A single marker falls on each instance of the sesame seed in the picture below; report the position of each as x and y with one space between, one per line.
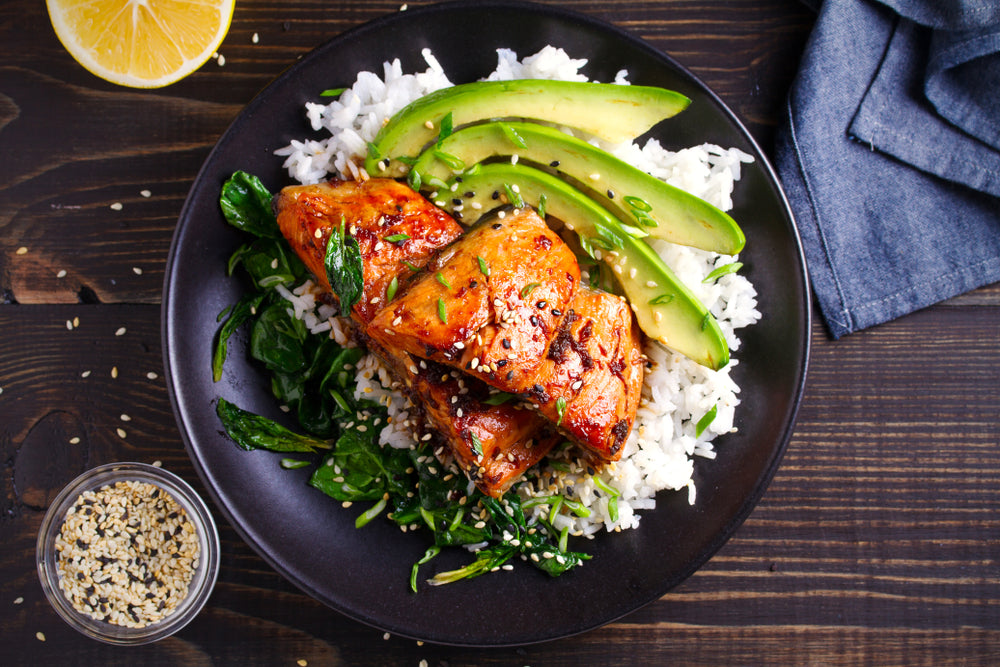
40 636
117 206
21 251
318 233
114 371
125 418
85 374
75 440
120 331
301 663
255 38
429 125
151 375
146 193
112 567
61 274
18 600
222 60
121 433
136 270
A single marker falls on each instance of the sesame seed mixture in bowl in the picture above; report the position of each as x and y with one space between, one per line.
128 553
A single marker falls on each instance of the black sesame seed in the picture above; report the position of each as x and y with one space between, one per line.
473 284
456 201
535 321
506 343
496 225
510 375
495 195
469 194
554 163
501 363
541 305
611 194
556 312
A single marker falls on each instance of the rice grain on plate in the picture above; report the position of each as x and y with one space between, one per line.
678 394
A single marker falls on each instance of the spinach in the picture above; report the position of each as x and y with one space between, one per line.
313 377
246 204
251 431
343 268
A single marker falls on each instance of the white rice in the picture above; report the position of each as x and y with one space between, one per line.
660 452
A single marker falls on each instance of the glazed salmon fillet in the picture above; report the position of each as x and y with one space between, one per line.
493 444
491 301
504 303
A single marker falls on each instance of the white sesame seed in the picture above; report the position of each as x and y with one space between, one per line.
21 251
40 636
146 193
61 274
85 374
114 371
120 331
117 206
75 440
429 125
125 418
151 375
255 38
121 433
18 600
222 60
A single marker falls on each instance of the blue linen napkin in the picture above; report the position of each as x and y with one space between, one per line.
890 155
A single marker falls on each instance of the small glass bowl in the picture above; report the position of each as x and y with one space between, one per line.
203 579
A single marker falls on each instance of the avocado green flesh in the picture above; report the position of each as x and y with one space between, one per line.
611 112
679 217
664 308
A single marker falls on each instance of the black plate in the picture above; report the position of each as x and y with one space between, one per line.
307 536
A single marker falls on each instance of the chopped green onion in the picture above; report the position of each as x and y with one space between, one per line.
413 179
723 270
334 92
705 320
456 163
441 279
428 555
397 238
564 538
528 289
428 517
557 502
411 266
292 464
638 203
477 445
339 400
560 409
499 398
542 199
661 300
370 514
513 196
442 314
447 127
705 420
373 151
513 136
484 268
391 290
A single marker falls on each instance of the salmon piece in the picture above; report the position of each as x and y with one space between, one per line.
528 328
490 301
371 211
493 444
590 382
510 440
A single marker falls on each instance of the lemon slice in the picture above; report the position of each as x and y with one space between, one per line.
141 43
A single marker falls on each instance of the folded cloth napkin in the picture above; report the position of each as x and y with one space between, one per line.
890 155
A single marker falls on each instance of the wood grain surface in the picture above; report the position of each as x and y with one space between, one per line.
878 541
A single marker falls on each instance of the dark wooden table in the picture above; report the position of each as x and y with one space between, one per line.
878 542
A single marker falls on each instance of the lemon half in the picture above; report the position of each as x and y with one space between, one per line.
141 43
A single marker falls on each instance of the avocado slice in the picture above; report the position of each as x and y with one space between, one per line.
665 309
664 211
609 111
